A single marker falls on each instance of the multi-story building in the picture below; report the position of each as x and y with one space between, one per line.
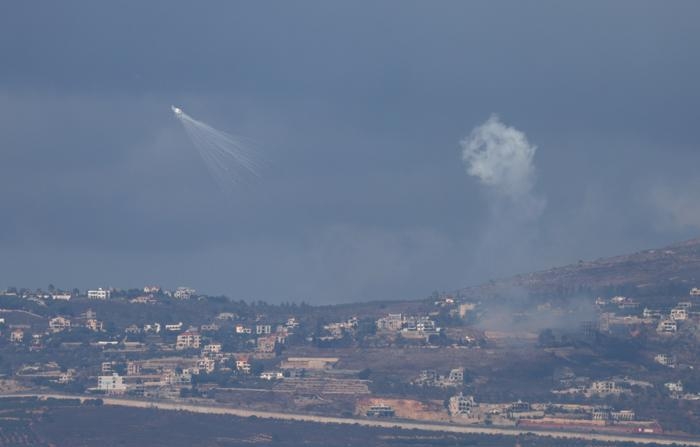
261 329
603 387
17 336
392 322
184 293
94 325
666 360
462 405
99 294
112 384
243 365
667 327
212 348
206 364
456 376
58 324
107 368
267 343
188 340
133 368
679 314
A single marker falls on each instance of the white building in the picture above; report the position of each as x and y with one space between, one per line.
242 364
462 405
261 329
679 314
213 348
392 322
174 327
674 387
188 340
17 336
99 294
184 293
58 324
94 325
65 296
240 329
666 360
667 327
271 375
603 387
206 364
113 384
456 376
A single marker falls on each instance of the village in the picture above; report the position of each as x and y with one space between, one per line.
432 360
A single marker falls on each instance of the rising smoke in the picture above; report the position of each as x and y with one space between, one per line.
502 159
227 158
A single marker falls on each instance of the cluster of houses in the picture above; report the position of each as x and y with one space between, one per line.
57 324
181 293
430 377
409 326
576 416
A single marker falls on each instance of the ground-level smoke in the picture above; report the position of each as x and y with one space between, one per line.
227 158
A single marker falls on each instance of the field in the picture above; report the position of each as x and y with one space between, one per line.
69 424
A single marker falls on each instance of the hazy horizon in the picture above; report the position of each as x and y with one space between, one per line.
408 147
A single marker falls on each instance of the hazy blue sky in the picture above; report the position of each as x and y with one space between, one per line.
359 109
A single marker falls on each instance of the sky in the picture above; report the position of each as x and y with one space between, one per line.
407 147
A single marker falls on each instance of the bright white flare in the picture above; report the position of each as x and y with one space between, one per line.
227 158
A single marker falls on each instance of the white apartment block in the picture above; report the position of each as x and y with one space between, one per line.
113 384
188 340
99 294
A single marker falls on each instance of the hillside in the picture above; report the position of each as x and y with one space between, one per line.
670 269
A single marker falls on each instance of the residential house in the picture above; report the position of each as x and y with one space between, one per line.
243 365
267 343
184 293
58 324
99 294
111 384
175 327
667 327
271 375
94 325
263 329
188 340
462 405
391 322
17 336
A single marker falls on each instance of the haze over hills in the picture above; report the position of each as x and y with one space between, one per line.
676 266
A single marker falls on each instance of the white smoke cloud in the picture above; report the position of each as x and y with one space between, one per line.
503 160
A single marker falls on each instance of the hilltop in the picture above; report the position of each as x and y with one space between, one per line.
671 269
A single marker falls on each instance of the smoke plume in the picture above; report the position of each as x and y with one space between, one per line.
501 158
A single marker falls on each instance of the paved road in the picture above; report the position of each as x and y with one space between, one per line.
427 426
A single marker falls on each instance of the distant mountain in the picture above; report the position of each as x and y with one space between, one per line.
671 269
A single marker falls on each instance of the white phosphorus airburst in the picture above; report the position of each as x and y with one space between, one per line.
227 158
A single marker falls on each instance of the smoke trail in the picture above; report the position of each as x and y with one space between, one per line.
227 158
